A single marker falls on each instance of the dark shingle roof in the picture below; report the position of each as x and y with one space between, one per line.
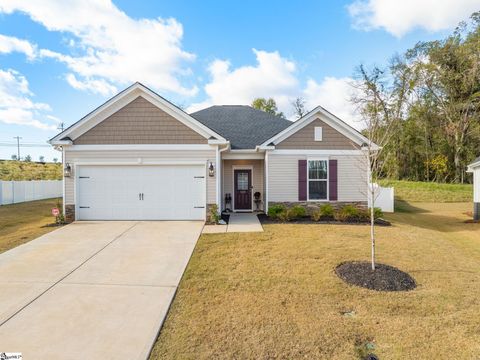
244 126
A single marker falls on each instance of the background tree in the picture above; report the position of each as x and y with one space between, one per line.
267 105
41 158
14 157
299 107
27 158
55 160
436 130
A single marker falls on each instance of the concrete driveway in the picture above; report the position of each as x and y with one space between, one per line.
92 290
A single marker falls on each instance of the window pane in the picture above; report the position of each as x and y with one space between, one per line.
242 181
317 169
317 190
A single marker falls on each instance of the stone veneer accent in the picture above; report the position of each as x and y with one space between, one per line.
69 213
312 206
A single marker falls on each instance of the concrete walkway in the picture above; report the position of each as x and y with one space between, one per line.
96 290
244 222
238 222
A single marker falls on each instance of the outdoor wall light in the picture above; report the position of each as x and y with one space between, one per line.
67 171
211 170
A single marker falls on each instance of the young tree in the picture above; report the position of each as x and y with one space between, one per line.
381 104
299 107
27 158
267 105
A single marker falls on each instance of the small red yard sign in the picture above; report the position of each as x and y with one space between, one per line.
55 212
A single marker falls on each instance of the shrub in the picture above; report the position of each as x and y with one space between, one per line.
285 215
316 215
377 213
213 214
275 210
297 211
327 211
348 213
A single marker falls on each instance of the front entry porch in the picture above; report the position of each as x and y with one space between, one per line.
243 185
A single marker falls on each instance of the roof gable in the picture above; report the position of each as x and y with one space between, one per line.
325 116
122 99
140 122
304 138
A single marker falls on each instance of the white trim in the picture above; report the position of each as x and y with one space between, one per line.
141 162
218 142
125 97
325 116
317 152
136 147
242 167
327 180
246 156
220 178
265 207
76 165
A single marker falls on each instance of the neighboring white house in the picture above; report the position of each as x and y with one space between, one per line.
474 168
139 157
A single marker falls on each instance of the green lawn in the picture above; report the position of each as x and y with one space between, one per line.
416 191
20 223
275 295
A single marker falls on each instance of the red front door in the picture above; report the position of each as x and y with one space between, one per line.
243 189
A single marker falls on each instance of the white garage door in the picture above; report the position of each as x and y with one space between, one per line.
170 192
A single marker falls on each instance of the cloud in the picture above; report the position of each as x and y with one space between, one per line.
9 44
399 17
271 76
17 107
276 77
334 95
108 48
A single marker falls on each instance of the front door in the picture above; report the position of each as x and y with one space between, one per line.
243 189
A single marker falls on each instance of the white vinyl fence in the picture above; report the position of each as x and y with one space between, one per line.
384 198
12 192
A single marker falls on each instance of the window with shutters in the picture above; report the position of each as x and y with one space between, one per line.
317 180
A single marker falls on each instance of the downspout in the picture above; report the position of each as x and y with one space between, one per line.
266 182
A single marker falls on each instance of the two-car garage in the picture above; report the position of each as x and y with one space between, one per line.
140 192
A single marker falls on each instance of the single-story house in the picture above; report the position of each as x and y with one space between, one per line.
140 157
474 168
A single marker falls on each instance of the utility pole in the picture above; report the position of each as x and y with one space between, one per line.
18 146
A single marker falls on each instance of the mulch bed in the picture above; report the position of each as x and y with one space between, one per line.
265 219
384 278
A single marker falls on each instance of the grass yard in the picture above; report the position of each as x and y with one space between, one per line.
275 295
20 223
417 191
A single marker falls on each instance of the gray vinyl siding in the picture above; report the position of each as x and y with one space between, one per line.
257 178
283 177
118 156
